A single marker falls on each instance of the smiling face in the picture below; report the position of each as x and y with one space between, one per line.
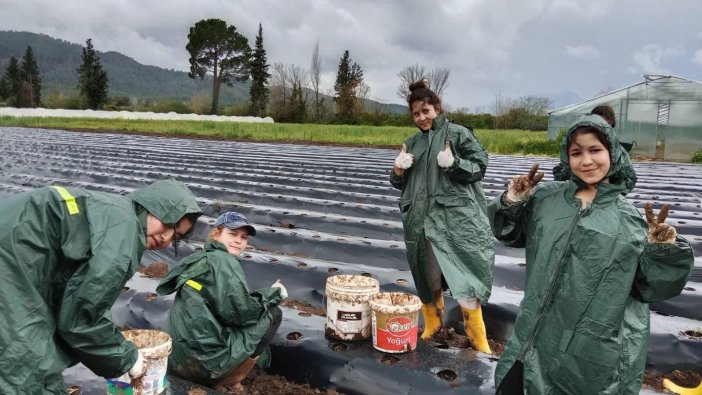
235 240
588 157
423 113
160 235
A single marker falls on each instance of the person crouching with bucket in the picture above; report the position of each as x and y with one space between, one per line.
219 327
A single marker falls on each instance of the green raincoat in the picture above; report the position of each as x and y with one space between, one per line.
65 254
447 207
215 322
583 324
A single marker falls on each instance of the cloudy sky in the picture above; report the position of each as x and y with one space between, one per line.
566 50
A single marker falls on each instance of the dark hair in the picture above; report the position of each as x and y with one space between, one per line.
606 113
589 129
192 217
419 91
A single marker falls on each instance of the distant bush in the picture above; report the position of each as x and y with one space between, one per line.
236 110
696 156
59 100
476 121
200 103
166 106
520 118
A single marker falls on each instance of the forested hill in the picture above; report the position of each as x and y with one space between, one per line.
58 60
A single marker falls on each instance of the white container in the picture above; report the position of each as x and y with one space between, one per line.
348 312
155 346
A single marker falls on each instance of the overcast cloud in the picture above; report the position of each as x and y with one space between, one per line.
563 49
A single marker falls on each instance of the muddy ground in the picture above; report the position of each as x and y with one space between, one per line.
261 383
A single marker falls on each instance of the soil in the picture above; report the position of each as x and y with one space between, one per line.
683 378
154 270
305 309
451 339
261 383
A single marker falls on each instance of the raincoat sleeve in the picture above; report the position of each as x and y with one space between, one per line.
663 270
397 181
84 320
471 158
230 298
508 220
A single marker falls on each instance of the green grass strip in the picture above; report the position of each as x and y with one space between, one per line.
517 142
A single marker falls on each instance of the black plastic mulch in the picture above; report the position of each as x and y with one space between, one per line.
320 211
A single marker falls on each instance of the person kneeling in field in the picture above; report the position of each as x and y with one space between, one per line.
219 328
593 265
65 255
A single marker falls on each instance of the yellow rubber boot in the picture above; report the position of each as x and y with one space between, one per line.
433 314
670 386
475 329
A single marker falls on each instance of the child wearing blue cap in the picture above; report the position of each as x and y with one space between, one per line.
219 328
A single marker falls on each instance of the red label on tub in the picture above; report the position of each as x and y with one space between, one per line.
399 326
399 335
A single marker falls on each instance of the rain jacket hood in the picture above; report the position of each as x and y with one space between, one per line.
168 200
620 169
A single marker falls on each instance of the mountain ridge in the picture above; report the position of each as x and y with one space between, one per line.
58 59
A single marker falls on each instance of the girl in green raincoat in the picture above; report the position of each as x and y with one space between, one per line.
593 265
447 232
65 255
219 328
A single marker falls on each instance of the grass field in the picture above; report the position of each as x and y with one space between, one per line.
495 141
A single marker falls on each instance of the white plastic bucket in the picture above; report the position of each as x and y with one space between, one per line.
395 319
155 346
348 312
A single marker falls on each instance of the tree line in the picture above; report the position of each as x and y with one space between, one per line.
20 85
286 92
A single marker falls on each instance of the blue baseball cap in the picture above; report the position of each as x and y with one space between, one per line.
234 220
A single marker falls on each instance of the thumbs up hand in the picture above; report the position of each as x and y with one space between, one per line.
445 157
404 159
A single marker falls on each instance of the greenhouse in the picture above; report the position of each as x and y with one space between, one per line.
661 117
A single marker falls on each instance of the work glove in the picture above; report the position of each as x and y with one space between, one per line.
404 159
520 187
658 231
139 368
445 157
283 290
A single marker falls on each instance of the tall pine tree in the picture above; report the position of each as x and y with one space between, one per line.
348 78
92 79
3 88
219 49
29 81
259 77
11 82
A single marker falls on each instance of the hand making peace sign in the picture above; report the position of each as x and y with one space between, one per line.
520 187
658 230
